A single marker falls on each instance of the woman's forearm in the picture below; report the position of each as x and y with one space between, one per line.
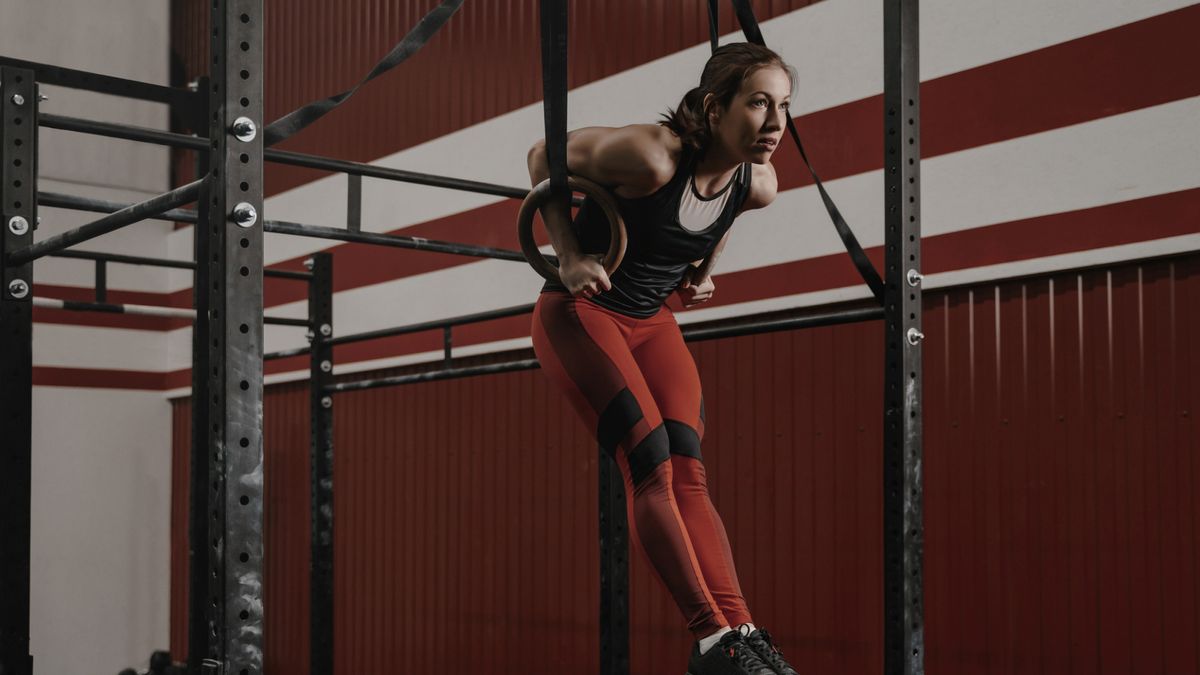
556 213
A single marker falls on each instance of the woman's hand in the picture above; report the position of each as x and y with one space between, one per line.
583 275
695 291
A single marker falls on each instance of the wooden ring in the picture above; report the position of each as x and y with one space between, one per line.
538 197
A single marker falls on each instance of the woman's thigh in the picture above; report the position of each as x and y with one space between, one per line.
674 382
584 350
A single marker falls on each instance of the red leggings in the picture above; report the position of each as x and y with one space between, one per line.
635 385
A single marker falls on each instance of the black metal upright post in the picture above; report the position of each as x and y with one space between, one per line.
614 571
18 152
320 314
903 531
229 295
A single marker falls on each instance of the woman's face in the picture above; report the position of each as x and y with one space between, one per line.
750 129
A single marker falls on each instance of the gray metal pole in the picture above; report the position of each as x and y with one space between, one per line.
320 314
903 531
229 299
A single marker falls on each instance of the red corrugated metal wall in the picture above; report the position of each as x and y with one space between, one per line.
1061 498
483 63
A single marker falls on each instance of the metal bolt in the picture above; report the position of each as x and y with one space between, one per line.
243 129
18 99
914 278
194 85
308 264
43 97
326 402
915 336
326 366
18 225
326 330
244 214
18 288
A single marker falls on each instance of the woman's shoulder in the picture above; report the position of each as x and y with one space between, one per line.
764 186
659 152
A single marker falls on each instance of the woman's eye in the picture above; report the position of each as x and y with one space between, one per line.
762 101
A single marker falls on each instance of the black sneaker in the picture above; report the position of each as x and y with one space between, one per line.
730 656
760 641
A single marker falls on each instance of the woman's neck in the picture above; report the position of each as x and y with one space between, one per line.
713 170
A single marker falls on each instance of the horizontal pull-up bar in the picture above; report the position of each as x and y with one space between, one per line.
851 315
110 223
105 84
146 310
164 262
410 328
394 240
62 201
186 142
111 308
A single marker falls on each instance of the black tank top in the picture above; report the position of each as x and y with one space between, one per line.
659 248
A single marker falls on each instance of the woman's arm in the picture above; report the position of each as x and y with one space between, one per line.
630 159
697 284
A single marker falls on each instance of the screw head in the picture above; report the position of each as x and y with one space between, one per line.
18 288
244 214
326 330
18 99
914 278
43 97
326 402
244 129
915 336
326 366
308 264
18 225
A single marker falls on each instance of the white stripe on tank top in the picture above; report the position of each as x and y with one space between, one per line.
697 213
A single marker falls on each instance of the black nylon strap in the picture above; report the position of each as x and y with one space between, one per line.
750 29
307 114
554 91
714 23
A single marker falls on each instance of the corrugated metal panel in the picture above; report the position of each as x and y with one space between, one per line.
485 62
1061 497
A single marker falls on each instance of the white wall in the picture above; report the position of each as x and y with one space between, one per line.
101 528
101 457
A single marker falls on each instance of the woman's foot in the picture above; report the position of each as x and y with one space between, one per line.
730 656
764 647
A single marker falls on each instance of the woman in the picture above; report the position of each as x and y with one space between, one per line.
614 348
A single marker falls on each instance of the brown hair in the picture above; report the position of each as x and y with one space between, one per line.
723 75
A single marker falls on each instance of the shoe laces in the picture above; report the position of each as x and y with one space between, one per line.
744 655
771 653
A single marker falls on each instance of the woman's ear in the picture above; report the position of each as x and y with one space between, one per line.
708 105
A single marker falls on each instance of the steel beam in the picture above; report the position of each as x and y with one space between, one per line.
903 530
18 213
320 314
227 370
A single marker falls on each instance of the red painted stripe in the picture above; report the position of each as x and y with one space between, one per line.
107 320
51 376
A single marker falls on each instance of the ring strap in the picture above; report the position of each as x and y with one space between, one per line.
745 16
305 115
554 92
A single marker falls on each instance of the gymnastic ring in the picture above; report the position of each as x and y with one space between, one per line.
539 195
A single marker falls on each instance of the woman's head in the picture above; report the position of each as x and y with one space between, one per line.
742 99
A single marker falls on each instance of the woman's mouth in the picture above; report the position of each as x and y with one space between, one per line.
765 144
